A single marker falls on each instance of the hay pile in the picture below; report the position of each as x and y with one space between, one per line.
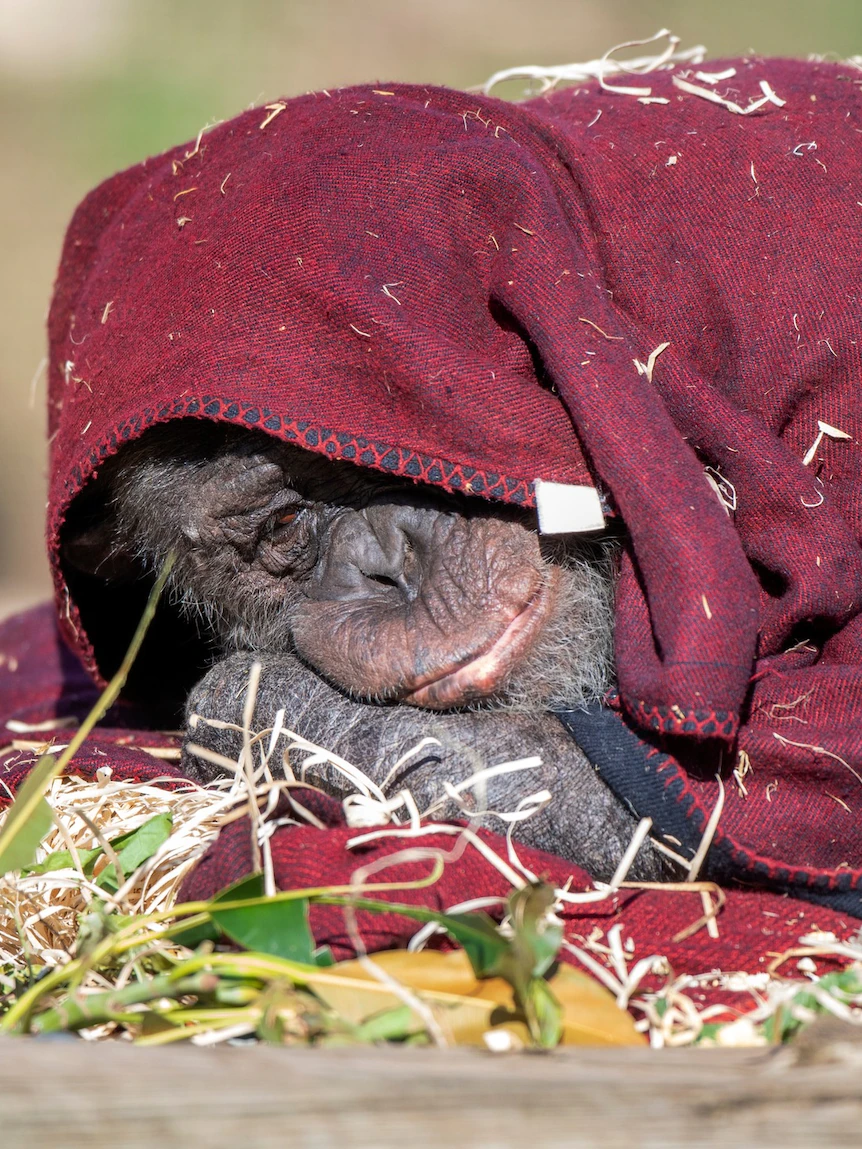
39 913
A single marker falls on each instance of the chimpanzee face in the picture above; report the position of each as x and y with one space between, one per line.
391 590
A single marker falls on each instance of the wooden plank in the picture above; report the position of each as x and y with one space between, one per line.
65 1094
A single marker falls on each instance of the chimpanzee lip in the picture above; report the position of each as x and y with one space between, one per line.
485 672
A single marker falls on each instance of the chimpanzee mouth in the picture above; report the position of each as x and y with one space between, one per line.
485 673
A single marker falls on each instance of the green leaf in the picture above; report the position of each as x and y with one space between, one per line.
390 1025
135 848
63 860
521 960
278 928
576 1008
248 887
28 819
481 939
475 931
536 938
531 953
208 931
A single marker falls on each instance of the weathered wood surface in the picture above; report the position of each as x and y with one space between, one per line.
68 1094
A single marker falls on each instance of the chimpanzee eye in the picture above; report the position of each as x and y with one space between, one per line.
284 521
286 517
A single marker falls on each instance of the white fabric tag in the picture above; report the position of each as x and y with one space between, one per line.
565 509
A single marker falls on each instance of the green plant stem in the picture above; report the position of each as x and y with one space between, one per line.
29 816
129 936
82 1010
183 1030
198 913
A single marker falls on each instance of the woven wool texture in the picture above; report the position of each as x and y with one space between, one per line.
455 289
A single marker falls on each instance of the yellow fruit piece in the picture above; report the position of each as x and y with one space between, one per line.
466 1009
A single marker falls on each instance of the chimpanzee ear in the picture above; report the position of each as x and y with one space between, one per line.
93 550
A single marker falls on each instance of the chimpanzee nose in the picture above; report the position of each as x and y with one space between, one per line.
394 531
380 556
372 545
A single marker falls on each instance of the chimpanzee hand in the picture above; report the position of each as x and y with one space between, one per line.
584 822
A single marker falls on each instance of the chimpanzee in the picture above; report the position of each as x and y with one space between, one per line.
383 612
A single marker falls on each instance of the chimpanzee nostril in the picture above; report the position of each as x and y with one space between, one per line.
384 580
382 557
387 574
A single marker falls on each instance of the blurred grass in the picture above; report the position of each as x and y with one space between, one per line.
90 86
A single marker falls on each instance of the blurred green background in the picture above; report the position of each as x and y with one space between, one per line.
90 86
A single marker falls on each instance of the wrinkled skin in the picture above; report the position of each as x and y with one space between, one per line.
359 594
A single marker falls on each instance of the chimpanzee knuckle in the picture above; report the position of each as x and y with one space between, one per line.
219 692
